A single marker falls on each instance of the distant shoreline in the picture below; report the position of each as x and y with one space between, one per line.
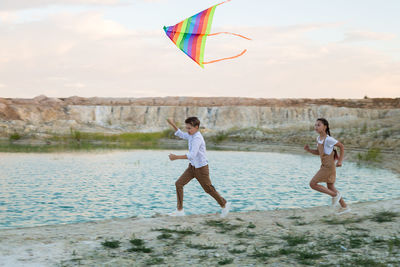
387 159
379 103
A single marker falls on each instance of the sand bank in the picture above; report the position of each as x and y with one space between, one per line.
369 235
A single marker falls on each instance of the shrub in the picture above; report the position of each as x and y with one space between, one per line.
15 136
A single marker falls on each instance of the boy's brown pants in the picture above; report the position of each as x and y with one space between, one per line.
203 176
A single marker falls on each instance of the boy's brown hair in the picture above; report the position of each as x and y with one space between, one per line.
194 121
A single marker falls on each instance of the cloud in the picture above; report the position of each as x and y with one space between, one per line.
88 55
27 4
8 17
360 36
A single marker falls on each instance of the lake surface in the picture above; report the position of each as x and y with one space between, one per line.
43 189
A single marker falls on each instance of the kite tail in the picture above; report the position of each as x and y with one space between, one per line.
244 51
244 37
212 61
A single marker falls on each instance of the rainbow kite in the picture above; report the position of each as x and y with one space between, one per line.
190 35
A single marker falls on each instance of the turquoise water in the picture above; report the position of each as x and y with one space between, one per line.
42 189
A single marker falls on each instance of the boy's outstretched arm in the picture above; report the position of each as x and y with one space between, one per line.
172 124
178 132
312 151
175 157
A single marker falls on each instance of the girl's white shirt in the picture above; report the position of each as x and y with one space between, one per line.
330 142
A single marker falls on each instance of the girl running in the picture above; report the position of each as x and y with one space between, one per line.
327 173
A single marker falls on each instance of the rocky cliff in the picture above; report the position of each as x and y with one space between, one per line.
59 115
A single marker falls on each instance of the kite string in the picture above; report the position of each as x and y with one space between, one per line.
212 34
224 2
212 61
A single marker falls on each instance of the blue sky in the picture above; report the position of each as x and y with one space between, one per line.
300 48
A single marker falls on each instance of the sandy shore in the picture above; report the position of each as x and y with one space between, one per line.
368 236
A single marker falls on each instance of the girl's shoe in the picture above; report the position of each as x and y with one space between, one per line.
343 210
225 210
336 199
177 213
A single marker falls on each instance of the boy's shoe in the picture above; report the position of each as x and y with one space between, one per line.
336 199
343 210
177 213
225 210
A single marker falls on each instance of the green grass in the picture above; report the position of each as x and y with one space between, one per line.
223 226
260 254
295 217
285 251
241 243
364 129
140 249
356 242
236 251
299 223
251 225
384 216
139 246
269 243
395 241
121 138
336 221
361 261
245 234
81 141
164 236
225 261
203 256
355 228
219 137
200 246
14 137
137 242
379 242
372 155
111 243
183 232
308 255
329 243
295 239
154 261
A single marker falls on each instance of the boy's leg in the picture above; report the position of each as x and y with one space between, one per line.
180 183
203 176
332 187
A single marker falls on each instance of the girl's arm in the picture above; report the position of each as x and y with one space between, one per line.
341 156
312 151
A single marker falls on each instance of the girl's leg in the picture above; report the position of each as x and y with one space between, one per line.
314 185
331 186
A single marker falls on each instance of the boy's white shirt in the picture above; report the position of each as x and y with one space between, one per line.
197 148
330 142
